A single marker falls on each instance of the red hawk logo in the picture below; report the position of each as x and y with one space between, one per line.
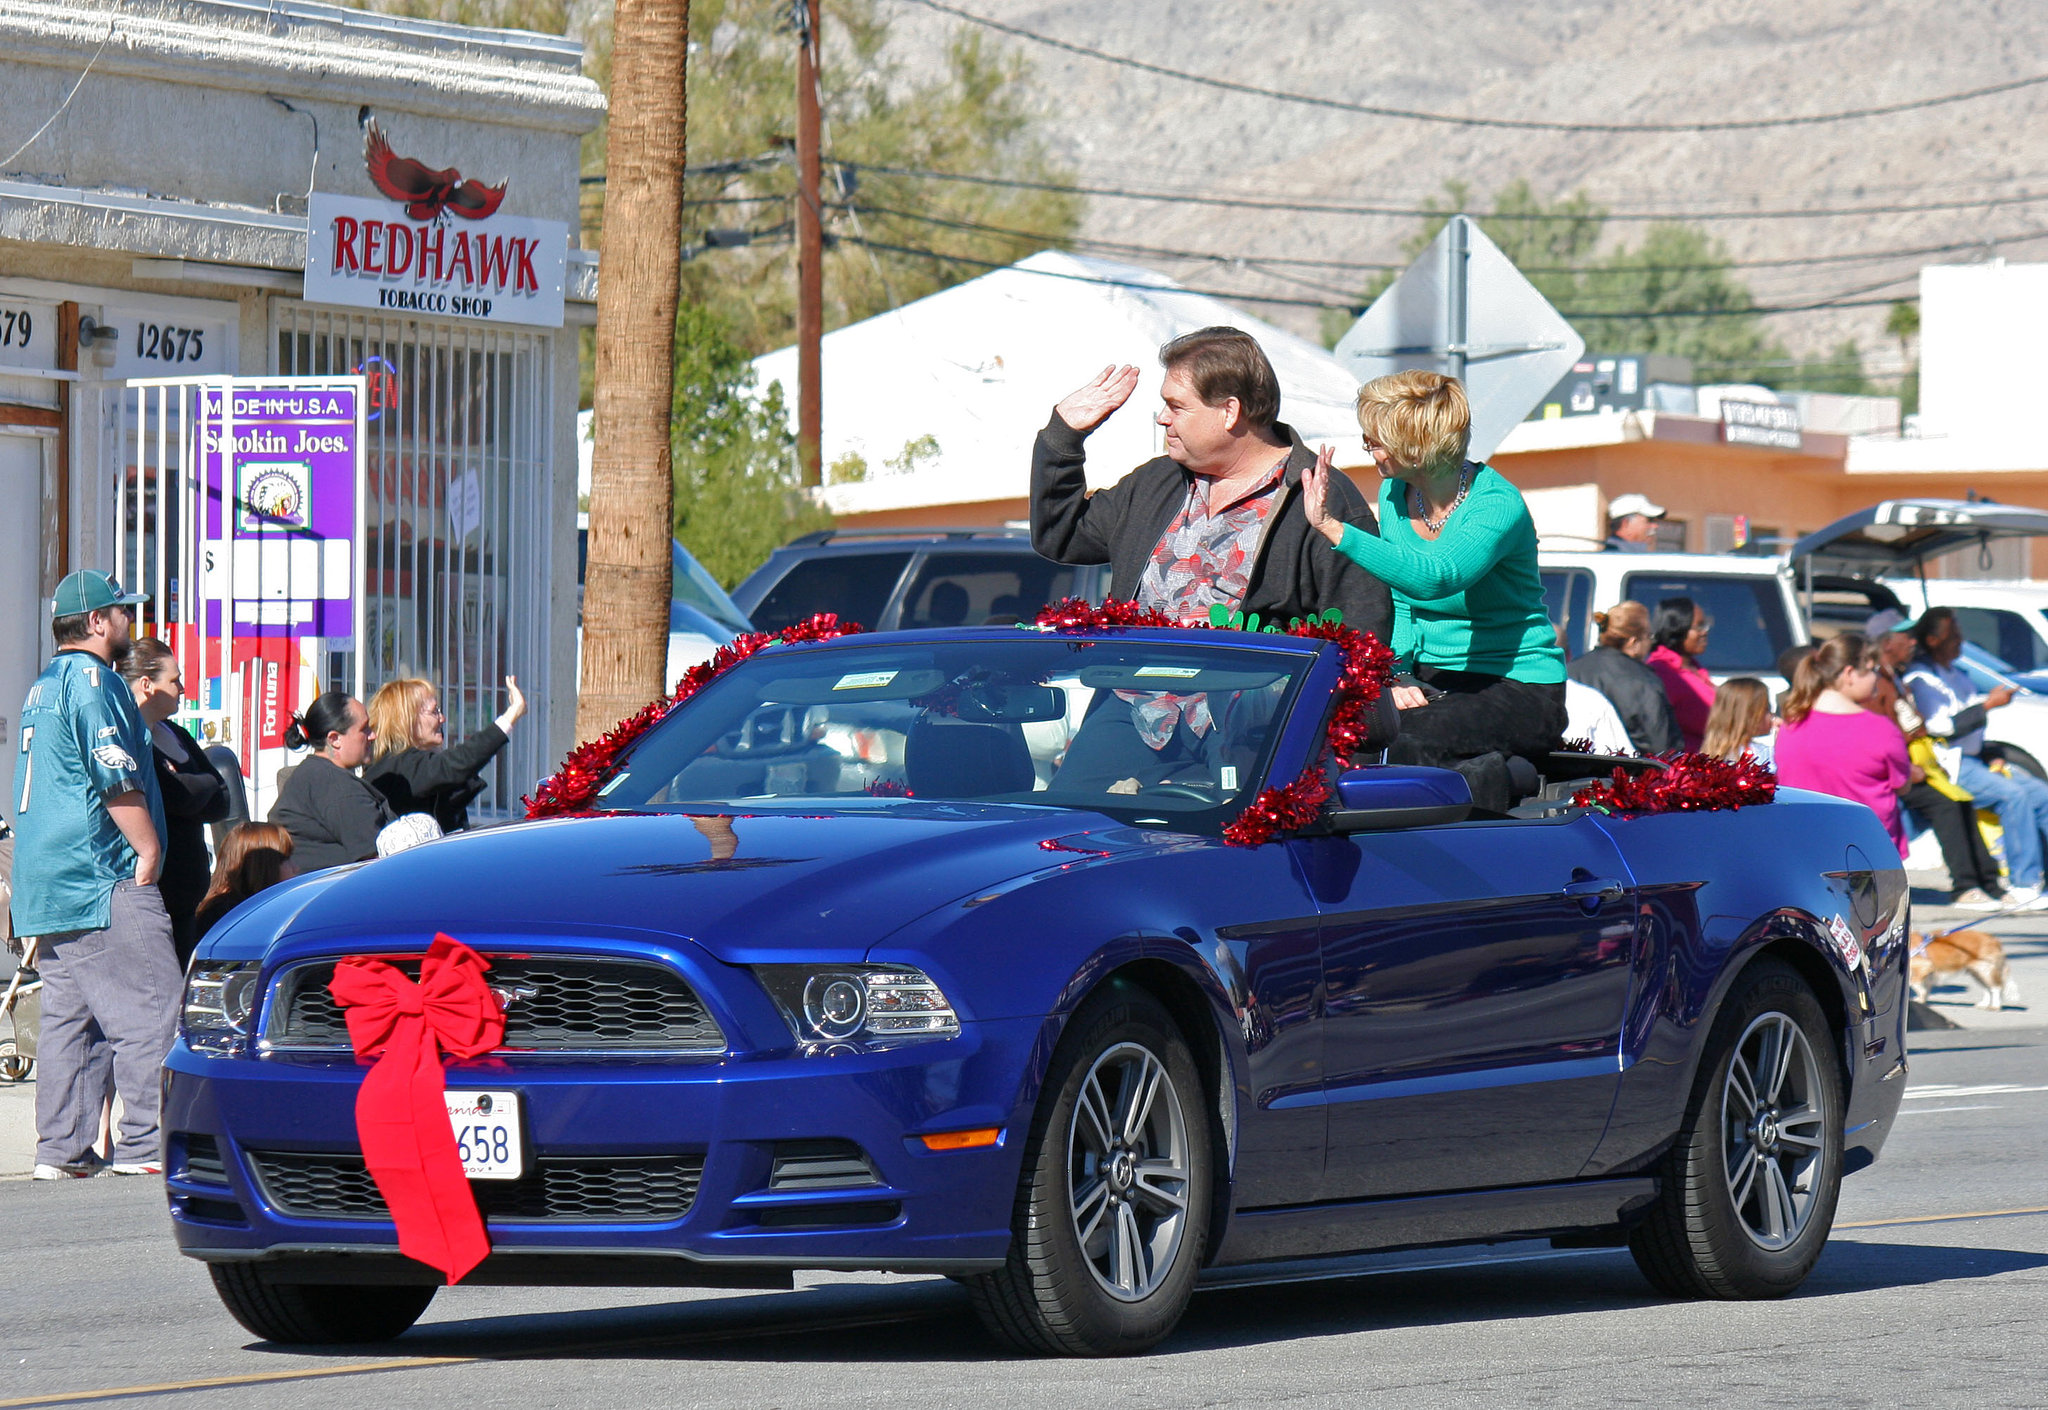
428 194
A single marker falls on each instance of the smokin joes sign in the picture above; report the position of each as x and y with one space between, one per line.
435 245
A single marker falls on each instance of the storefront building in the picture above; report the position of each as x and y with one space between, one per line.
177 160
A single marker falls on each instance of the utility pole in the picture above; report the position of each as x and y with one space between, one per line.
810 252
1457 274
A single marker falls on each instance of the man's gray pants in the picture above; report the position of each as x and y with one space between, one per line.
119 987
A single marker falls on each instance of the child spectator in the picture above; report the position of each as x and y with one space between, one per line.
1740 722
253 857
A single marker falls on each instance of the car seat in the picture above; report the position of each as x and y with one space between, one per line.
945 758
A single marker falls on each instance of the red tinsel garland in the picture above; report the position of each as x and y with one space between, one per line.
573 787
1689 783
1367 667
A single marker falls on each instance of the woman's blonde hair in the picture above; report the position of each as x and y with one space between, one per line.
1421 419
395 715
1624 622
1742 711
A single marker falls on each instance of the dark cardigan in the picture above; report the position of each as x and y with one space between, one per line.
1295 574
194 795
1636 694
440 782
333 816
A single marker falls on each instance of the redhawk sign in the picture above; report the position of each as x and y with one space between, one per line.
501 269
436 246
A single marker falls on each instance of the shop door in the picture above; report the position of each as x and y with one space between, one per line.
24 622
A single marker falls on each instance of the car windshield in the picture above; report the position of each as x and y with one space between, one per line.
1145 731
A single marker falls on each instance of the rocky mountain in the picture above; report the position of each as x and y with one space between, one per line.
1611 61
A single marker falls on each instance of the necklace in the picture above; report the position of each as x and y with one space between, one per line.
1419 507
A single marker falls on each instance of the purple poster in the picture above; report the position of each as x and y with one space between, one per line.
283 469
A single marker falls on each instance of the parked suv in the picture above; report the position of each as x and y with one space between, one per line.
1755 613
887 579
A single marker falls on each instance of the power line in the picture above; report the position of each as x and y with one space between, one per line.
1455 120
1307 207
1842 301
1301 261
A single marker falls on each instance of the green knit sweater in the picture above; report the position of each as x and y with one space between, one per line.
1471 600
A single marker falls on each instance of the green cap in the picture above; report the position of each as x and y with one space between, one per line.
90 591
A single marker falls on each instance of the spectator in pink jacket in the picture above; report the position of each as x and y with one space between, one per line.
1831 743
1681 635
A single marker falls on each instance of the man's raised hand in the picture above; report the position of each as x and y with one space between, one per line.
1089 407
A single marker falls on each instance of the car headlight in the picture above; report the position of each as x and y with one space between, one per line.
859 1008
220 997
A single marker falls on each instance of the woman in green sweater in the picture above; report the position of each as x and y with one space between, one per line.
1458 548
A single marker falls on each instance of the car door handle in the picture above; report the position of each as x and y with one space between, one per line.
1594 891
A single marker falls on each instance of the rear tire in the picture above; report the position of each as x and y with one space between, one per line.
2022 760
318 1313
1749 1189
1112 1211
13 1066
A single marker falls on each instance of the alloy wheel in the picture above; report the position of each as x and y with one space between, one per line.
1772 1128
1128 1171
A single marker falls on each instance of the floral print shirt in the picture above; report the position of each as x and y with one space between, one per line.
1201 560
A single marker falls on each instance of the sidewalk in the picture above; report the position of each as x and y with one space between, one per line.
2025 937
17 1128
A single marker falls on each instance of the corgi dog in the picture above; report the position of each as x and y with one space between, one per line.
1970 952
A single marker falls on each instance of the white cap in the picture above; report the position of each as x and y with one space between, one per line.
409 831
1624 505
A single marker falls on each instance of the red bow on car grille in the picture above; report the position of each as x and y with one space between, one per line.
401 1116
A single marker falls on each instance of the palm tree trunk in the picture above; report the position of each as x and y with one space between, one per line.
627 583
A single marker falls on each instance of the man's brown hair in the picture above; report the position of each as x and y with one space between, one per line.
1222 363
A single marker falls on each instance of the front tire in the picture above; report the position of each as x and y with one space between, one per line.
318 1314
1111 1219
1749 1190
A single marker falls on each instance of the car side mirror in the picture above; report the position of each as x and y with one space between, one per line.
1384 796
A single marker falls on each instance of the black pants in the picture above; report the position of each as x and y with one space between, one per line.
1954 821
1477 725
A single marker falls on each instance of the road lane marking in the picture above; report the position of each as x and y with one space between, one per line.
1987 1090
1937 1110
79 1397
1945 1218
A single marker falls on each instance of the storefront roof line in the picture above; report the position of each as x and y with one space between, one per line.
319 51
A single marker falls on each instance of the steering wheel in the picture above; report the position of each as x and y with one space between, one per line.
1200 793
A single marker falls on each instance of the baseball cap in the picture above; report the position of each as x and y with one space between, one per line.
1891 619
1625 505
90 591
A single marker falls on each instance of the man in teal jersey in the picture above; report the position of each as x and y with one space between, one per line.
89 829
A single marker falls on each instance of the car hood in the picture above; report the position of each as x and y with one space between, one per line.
747 888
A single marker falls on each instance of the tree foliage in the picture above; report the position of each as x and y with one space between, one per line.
1678 285
738 493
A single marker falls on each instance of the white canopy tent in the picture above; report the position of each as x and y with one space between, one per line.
978 367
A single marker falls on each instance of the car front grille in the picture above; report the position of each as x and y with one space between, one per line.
557 1003
556 1189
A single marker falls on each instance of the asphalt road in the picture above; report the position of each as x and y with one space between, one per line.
1934 1291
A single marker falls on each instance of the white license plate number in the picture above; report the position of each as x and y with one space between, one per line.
486 1126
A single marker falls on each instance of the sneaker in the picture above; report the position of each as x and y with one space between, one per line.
2019 898
137 1167
69 1170
1977 899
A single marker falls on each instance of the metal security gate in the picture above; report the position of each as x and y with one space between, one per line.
457 513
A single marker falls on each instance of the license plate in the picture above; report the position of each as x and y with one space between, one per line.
486 1126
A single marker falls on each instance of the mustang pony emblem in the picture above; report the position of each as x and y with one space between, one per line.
428 194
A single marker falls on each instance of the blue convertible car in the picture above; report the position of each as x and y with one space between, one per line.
925 952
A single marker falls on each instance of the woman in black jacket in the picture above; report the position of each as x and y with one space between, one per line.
194 793
1615 668
412 764
333 816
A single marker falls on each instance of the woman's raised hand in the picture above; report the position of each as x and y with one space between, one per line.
1089 407
1315 496
516 702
